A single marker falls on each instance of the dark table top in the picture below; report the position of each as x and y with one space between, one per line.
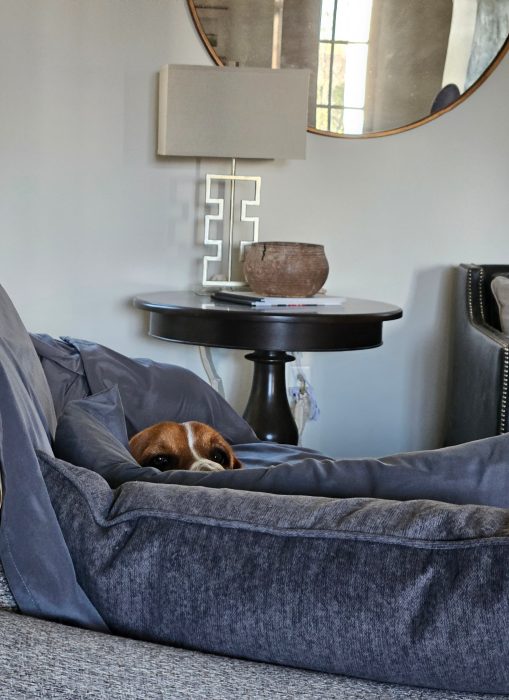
362 309
187 317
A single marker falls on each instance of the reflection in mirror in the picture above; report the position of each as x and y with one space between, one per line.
376 65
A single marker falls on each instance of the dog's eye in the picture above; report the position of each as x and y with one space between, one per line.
219 456
162 462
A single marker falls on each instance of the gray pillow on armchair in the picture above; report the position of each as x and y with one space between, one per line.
500 289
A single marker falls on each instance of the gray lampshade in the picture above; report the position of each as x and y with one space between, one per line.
228 112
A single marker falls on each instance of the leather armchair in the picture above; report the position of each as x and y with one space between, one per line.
478 395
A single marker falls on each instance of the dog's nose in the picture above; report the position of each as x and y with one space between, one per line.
206 465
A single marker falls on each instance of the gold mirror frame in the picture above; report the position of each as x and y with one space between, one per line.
375 134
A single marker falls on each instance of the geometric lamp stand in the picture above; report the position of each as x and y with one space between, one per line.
219 216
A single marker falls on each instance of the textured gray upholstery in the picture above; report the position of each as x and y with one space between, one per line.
42 660
7 602
477 405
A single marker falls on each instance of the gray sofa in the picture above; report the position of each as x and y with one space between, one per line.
429 578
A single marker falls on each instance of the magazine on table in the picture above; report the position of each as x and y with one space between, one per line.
253 299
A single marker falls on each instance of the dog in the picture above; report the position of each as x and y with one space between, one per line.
193 446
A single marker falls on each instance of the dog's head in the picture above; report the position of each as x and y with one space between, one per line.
193 446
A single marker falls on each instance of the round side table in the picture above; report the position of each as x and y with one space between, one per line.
269 332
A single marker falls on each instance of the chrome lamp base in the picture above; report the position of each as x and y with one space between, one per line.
227 280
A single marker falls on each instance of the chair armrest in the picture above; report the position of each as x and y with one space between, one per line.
477 406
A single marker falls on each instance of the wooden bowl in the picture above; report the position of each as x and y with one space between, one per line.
281 269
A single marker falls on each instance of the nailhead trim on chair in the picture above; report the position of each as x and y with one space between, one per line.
481 294
469 295
505 383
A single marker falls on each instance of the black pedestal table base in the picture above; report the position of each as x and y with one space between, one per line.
268 411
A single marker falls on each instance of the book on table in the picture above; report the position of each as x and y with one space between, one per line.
253 299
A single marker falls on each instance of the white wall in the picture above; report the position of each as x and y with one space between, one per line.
89 217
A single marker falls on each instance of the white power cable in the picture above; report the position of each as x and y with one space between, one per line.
213 376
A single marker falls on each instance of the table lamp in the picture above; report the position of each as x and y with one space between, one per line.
226 112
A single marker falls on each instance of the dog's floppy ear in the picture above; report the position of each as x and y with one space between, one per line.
137 444
237 464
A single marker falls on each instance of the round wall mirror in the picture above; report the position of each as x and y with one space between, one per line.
377 66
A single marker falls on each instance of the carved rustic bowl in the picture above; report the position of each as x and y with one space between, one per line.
281 269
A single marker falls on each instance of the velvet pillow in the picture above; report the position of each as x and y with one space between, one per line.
153 391
413 593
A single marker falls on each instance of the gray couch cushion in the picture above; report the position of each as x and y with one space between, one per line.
44 660
406 592
33 553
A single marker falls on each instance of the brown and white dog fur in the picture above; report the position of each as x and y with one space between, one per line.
193 446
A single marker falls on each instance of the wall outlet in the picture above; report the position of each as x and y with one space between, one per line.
301 394
294 371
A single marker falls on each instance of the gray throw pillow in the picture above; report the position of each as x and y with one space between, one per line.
153 391
405 592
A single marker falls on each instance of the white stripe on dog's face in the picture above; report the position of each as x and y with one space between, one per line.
190 439
200 464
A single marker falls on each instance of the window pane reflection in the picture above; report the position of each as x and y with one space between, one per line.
326 20
338 75
353 20
342 64
323 78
